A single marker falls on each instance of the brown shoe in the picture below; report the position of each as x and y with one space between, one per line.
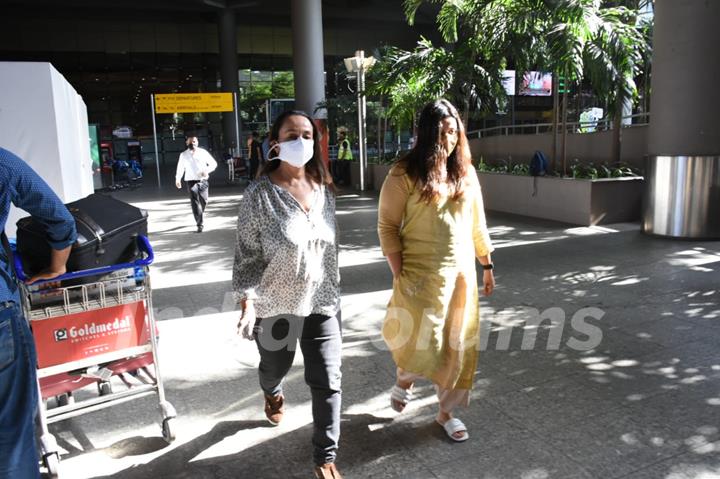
274 408
327 471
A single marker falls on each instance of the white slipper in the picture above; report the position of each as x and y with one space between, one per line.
400 395
455 425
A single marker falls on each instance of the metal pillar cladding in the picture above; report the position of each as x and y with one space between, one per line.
227 40
682 196
308 56
157 156
361 108
236 114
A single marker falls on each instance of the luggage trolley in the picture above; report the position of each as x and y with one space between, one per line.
237 171
89 326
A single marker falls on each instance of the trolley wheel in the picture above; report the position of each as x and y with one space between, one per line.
64 399
168 429
104 388
52 464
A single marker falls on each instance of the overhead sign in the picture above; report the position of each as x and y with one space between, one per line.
193 102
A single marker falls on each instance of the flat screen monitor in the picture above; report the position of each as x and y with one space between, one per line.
536 84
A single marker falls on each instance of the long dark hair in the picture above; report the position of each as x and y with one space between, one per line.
425 162
315 168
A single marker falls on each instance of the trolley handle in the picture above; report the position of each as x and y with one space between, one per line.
143 244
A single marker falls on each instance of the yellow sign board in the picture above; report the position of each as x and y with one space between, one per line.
193 102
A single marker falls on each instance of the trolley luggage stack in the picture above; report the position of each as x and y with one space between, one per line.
90 332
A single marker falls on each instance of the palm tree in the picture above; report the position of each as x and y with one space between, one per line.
613 61
568 37
409 79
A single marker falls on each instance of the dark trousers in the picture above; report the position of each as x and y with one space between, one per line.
198 198
18 396
254 165
343 171
321 345
334 170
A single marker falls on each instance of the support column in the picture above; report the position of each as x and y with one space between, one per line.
682 193
308 64
227 39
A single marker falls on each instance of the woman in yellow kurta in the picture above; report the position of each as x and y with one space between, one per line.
431 225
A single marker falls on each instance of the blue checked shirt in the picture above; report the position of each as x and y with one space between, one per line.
21 186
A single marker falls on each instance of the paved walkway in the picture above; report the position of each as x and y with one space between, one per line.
644 402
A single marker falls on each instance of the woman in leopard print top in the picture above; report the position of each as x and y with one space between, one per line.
286 278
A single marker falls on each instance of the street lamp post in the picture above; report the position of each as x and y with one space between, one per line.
359 64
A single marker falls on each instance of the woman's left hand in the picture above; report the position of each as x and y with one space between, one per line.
488 282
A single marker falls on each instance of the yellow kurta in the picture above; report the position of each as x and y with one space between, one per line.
432 322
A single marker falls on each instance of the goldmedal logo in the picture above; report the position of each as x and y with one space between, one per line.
60 334
89 330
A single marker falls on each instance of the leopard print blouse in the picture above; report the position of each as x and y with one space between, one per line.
286 259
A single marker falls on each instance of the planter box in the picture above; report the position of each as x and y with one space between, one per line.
379 172
374 175
575 201
355 176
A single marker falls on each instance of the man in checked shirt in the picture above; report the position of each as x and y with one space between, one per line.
21 186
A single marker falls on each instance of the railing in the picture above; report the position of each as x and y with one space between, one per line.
638 119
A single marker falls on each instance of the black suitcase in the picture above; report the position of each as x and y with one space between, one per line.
107 231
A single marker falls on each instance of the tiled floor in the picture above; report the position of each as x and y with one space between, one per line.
644 402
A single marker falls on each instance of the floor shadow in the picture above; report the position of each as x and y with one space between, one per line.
177 462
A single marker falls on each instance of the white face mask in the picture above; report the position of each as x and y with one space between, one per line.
296 152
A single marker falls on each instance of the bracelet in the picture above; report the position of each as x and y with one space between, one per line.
488 267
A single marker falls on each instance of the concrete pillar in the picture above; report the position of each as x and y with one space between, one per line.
308 64
227 39
683 171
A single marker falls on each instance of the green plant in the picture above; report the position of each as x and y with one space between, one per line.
482 166
624 170
600 40
604 171
617 170
520 169
502 166
253 94
578 170
583 171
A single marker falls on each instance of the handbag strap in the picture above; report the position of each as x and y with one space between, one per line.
91 225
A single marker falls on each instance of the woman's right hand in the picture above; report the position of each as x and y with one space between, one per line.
395 262
246 325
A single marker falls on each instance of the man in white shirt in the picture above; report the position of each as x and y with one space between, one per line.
196 164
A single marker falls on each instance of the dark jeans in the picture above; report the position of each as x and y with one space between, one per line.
321 344
18 396
198 198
